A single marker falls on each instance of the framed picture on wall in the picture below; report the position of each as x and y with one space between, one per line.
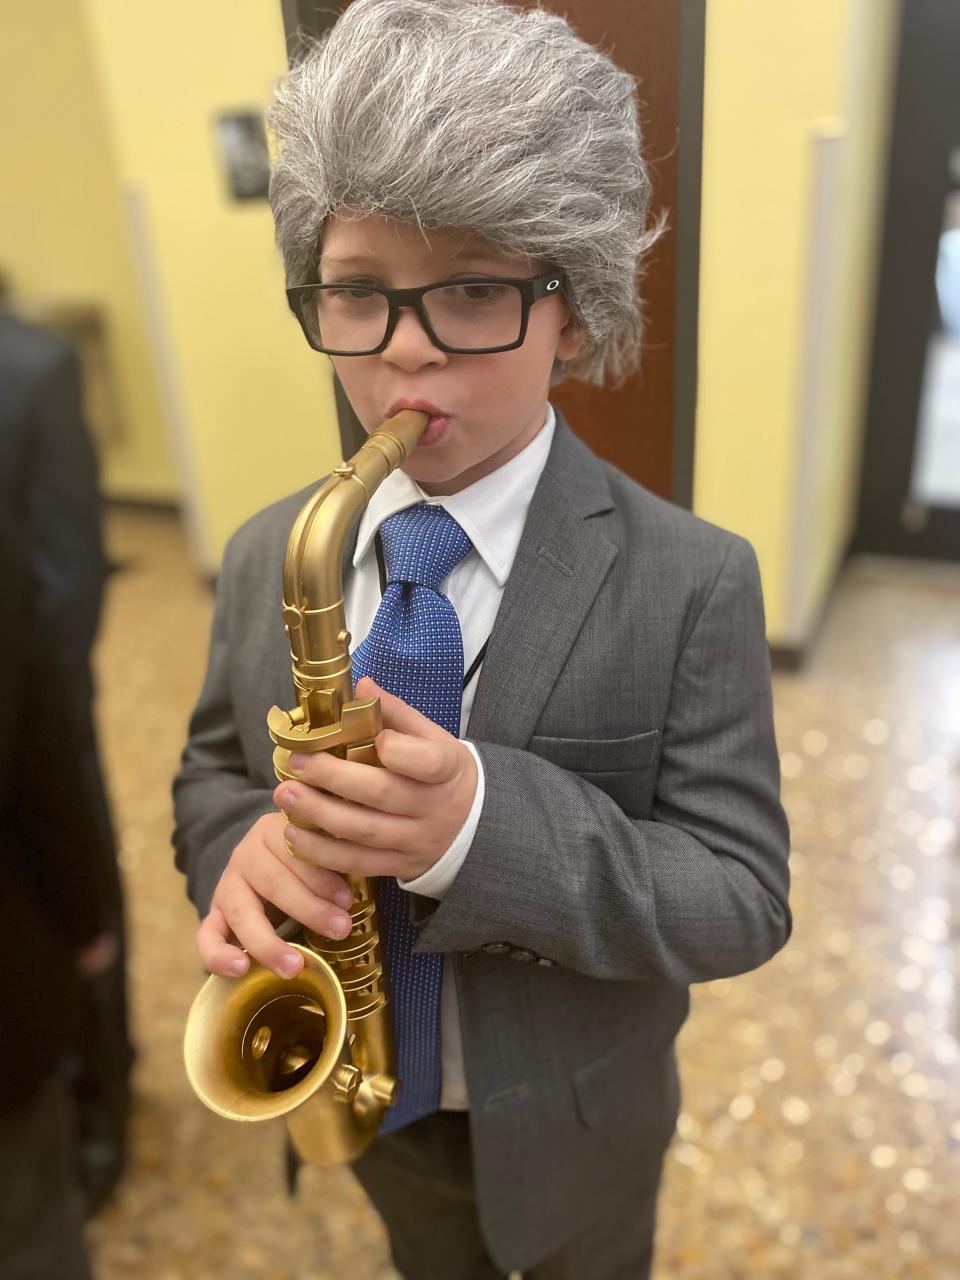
242 141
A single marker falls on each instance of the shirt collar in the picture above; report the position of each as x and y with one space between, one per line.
492 511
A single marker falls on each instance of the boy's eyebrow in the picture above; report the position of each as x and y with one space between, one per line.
467 255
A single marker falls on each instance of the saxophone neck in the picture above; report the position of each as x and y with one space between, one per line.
313 607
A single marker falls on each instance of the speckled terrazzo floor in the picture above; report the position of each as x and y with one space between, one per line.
820 1132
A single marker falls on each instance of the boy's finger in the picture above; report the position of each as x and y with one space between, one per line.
217 954
277 884
420 759
340 818
321 881
243 912
356 859
398 714
365 784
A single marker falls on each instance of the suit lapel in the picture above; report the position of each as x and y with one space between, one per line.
561 562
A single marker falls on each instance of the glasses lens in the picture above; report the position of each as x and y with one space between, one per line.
347 318
474 316
351 319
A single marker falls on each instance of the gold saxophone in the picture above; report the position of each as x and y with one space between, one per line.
316 1049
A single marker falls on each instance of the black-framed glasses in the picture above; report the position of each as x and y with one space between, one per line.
471 315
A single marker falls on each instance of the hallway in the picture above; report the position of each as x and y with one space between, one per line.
820 1132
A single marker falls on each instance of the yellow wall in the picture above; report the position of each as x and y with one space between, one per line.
255 413
62 228
775 73
112 192
867 108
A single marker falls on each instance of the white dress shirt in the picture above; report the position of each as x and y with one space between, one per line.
492 512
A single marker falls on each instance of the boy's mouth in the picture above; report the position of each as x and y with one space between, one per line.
439 419
436 429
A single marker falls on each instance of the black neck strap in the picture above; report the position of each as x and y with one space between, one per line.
382 570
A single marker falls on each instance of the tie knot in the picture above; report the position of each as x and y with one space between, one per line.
422 544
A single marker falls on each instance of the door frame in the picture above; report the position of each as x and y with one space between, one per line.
926 128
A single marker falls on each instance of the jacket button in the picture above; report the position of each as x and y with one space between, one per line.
497 948
521 953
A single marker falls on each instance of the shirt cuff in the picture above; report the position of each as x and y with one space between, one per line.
435 881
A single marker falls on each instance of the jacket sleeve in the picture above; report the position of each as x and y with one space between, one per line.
56 853
699 891
215 802
63 515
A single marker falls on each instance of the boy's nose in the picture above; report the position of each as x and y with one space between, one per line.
410 345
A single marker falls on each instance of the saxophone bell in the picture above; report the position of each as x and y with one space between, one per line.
260 1048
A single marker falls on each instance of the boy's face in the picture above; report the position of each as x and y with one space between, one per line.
494 404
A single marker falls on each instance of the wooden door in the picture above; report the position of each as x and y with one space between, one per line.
646 427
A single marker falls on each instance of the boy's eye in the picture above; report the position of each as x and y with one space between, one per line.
350 292
475 292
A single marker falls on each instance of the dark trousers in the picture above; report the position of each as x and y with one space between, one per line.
41 1207
101 1080
420 1181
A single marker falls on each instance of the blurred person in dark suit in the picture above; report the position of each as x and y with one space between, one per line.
58 898
51 508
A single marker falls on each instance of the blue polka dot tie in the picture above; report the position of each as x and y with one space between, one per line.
415 651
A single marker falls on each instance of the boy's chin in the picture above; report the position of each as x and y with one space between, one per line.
419 470
435 475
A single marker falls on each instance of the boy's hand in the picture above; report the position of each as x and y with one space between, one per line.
390 821
262 885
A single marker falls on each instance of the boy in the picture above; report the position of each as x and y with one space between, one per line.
598 825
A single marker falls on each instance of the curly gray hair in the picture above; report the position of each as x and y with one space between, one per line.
476 115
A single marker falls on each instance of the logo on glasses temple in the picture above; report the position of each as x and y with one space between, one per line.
553 284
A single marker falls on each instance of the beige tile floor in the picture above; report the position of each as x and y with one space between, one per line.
820 1132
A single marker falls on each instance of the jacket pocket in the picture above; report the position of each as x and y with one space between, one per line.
640 1087
625 768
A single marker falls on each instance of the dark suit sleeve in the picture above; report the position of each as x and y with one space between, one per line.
698 892
54 849
63 518
215 802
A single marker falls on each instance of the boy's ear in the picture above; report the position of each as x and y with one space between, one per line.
571 340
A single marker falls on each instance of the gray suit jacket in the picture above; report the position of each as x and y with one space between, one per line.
631 840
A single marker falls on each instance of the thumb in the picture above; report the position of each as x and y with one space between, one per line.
399 715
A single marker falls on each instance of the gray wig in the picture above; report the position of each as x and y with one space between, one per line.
475 115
